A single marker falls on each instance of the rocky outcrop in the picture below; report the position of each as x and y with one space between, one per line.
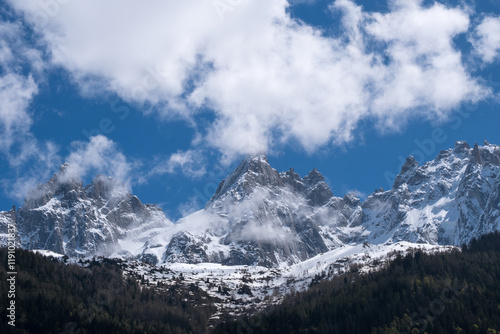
65 217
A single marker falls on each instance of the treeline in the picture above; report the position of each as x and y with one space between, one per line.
454 292
53 297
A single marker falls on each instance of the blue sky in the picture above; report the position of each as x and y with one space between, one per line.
168 97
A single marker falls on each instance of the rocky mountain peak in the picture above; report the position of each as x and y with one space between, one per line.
410 163
257 165
252 172
476 155
100 187
65 217
313 177
105 188
407 171
68 186
351 199
293 180
317 191
260 216
63 168
61 184
461 147
489 154
256 159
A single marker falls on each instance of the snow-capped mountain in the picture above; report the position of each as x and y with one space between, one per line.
65 217
259 216
449 200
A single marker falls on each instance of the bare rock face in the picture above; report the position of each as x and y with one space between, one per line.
185 248
317 191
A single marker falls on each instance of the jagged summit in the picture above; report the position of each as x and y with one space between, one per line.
407 172
314 176
106 188
61 185
461 144
252 172
461 147
316 191
67 217
476 155
255 171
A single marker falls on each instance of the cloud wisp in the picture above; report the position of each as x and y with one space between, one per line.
191 163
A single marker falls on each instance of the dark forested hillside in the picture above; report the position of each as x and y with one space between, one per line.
457 292
52 297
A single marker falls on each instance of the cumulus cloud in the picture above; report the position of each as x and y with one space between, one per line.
268 79
487 39
99 155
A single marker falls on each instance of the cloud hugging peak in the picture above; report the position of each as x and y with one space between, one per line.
267 78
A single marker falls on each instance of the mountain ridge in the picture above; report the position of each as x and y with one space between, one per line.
259 216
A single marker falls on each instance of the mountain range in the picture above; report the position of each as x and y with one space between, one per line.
259 216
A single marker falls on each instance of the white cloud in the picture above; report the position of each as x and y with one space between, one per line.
357 193
16 93
29 159
19 64
21 183
268 79
17 90
98 156
191 206
425 75
191 163
487 39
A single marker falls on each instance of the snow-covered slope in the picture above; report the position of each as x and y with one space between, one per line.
242 289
